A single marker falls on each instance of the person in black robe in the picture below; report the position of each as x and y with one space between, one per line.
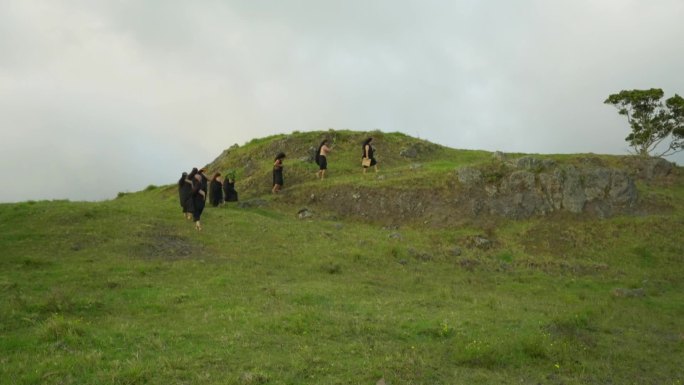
368 153
199 196
205 180
186 194
215 191
181 197
278 173
229 192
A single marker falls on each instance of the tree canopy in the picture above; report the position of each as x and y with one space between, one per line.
652 121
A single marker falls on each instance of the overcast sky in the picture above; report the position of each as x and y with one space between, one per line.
98 97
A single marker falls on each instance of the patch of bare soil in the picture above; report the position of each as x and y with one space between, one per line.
161 243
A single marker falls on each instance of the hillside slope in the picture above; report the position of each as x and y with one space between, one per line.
127 292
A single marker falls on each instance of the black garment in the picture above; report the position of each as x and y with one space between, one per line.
205 181
229 193
371 154
186 196
322 162
199 197
216 194
278 173
181 196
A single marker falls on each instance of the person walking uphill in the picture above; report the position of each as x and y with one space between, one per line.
368 156
186 194
322 158
278 173
216 190
183 193
199 196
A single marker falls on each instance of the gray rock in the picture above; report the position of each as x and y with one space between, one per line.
395 236
455 251
470 176
597 183
655 168
622 188
518 181
573 192
530 163
416 166
551 186
304 213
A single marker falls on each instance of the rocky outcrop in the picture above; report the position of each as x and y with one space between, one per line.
649 168
538 187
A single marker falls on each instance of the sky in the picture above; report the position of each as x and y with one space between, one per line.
101 97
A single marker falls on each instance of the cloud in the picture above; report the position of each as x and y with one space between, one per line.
140 91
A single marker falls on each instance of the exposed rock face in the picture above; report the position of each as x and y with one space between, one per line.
523 193
650 168
515 189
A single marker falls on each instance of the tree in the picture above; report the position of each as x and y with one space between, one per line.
652 122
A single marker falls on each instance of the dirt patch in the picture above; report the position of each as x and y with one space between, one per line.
164 244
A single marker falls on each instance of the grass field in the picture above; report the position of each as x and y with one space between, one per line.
127 292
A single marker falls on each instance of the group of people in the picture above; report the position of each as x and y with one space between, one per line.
367 160
193 189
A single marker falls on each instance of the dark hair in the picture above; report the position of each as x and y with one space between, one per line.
182 179
280 155
192 173
318 152
218 174
367 141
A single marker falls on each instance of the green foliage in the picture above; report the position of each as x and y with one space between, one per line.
651 121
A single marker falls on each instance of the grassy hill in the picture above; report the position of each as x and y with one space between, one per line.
127 292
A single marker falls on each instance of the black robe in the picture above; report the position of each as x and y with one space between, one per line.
216 194
229 193
188 191
199 197
185 193
278 173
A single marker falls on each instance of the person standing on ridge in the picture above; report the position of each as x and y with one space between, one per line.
278 173
368 156
322 158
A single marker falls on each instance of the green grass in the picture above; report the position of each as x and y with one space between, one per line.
126 292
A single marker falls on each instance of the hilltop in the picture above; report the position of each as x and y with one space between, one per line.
422 182
127 292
